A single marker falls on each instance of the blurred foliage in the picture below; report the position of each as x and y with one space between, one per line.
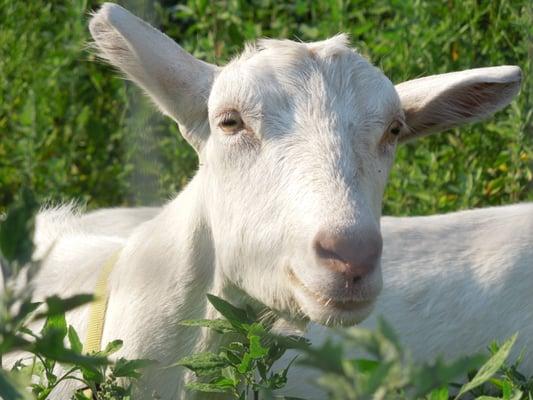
46 359
71 129
242 366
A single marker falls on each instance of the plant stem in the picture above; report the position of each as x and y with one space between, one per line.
66 376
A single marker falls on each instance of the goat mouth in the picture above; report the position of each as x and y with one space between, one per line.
340 304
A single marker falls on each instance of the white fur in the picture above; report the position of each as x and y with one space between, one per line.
314 156
453 283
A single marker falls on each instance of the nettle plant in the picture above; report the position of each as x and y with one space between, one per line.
244 366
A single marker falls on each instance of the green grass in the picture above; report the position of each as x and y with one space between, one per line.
71 129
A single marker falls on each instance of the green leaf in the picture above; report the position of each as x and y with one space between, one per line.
9 388
92 374
203 363
130 368
16 230
291 342
439 394
278 380
378 378
56 326
74 340
231 374
236 316
57 305
246 364
205 387
225 383
429 377
366 366
51 347
490 367
233 357
257 351
218 325
112 347
517 394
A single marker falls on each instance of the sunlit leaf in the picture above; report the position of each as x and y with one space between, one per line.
490 367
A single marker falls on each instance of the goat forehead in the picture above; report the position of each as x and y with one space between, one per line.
283 75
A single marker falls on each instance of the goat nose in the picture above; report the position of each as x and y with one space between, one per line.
354 255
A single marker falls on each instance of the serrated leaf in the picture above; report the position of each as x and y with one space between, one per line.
225 383
203 363
112 347
291 342
130 368
236 316
232 357
218 325
205 387
92 374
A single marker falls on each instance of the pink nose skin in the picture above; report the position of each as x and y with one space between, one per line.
354 255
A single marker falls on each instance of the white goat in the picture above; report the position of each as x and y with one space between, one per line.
295 142
452 283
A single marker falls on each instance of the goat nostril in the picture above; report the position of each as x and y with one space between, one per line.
324 253
355 256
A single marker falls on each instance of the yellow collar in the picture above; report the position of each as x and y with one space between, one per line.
97 311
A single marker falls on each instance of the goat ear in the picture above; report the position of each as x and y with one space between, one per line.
177 82
435 103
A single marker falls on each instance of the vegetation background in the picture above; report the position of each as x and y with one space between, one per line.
70 128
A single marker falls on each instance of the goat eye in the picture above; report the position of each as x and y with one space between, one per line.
395 128
231 122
